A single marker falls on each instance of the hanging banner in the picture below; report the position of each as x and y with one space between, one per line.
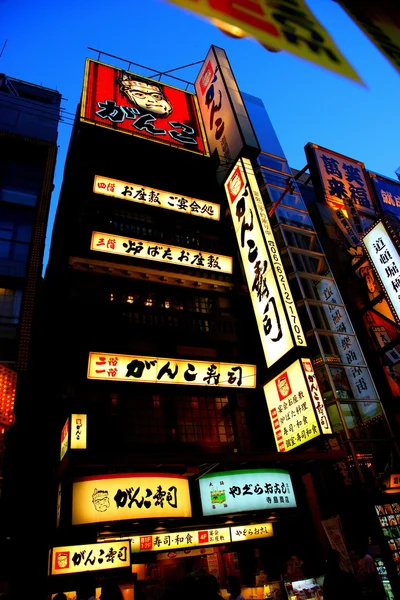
281 25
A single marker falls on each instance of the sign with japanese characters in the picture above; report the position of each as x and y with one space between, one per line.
174 255
64 439
179 540
343 183
78 432
345 227
274 308
129 496
289 26
154 197
148 369
241 533
139 106
228 127
386 262
90 557
387 192
358 375
241 491
296 407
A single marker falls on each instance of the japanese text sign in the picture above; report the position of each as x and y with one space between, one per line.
344 183
386 262
289 26
276 315
155 251
154 197
228 128
387 192
239 491
241 533
90 557
177 540
296 407
78 432
135 105
147 369
129 496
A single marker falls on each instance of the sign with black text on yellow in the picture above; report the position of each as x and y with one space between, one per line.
283 25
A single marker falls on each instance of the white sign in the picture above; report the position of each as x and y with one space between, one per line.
180 539
149 369
134 248
78 432
226 122
90 557
241 491
129 496
386 261
241 533
259 263
145 195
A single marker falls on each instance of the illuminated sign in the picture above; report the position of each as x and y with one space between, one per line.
129 496
241 491
345 227
394 480
154 197
90 557
64 439
148 369
78 432
228 127
342 181
167 254
295 406
386 262
132 104
181 539
8 386
277 25
387 192
241 533
277 319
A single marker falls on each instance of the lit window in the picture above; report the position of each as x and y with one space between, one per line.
111 297
129 299
148 302
167 304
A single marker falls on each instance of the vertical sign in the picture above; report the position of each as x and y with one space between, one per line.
64 439
78 432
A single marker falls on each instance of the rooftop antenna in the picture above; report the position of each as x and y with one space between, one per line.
2 50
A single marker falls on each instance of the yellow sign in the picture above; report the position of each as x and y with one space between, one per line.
241 533
281 25
130 496
170 255
182 539
154 197
149 369
293 419
78 432
90 557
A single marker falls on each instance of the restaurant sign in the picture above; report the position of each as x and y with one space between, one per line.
154 197
129 496
178 540
241 491
155 251
242 533
90 557
148 369
296 407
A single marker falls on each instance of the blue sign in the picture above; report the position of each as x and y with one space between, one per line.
387 192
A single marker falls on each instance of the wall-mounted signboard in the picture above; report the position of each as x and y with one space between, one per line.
90 557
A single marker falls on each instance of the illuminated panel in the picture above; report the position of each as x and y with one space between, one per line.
8 386
180 539
291 410
149 369
244 199
129 496
154 197
138 106
78 432
386 262
228 127
387 192
241 491
174 255
241 533
316 396
90 557
64 439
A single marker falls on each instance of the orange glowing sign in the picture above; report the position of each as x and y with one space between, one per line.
8 385
90 557
126 102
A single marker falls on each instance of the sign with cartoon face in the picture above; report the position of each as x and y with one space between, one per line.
136 105
90 557
239 491
129 496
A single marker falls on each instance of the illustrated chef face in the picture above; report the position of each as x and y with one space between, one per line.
100 500
146 96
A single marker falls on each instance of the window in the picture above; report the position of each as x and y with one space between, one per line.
10 305
203 419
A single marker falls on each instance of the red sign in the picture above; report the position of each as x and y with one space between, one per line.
133 104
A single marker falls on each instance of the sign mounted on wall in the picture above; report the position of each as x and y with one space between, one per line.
90 557
180 539
136 105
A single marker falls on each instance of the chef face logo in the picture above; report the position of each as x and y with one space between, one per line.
100 499
62 560
148 97
283 386
235 185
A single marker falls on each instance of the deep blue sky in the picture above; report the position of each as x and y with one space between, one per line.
47 44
